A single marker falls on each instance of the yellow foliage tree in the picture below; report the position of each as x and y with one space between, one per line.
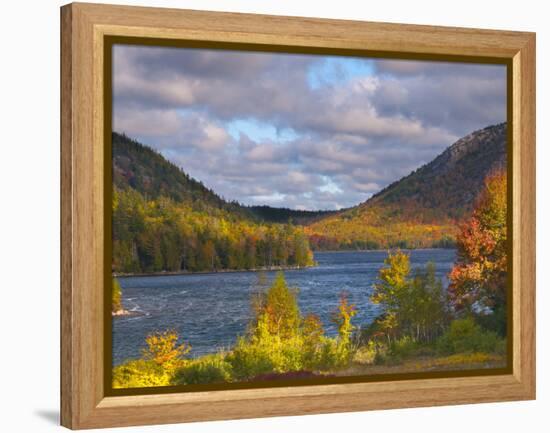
117 296
162 348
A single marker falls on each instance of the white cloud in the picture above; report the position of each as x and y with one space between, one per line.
350 136
151 123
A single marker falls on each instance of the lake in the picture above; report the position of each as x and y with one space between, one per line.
210 310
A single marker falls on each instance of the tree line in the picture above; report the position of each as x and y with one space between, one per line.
378 228
165 235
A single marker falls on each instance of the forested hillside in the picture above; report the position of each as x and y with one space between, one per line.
421 209
447 186
284 215
144 170
163 220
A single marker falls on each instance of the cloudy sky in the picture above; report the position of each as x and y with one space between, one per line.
299 131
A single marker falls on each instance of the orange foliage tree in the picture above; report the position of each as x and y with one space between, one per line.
162 348
479 275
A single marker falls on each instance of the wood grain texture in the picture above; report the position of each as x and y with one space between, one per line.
524 130
84 26
307 32
67 394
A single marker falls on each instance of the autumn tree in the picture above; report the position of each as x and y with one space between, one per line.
425 313
163 349
413 305
392 280
117 296
312 329
280 308
342 319
478 278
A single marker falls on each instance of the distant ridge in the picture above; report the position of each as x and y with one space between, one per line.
422 208
140 167
419 210
450 182
283 215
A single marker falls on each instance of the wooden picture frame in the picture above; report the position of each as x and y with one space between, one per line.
84 29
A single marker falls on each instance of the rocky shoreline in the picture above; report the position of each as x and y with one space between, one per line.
126 313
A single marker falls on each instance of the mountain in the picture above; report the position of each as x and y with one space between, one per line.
143 169
421 209
418 211
165 221
139 167
448 185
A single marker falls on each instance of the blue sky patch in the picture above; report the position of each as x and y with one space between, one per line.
259 131
337 70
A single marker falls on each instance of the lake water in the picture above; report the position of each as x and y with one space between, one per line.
210 310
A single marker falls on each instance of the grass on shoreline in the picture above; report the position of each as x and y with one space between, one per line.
421 364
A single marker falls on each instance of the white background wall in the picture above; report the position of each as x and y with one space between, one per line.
29 215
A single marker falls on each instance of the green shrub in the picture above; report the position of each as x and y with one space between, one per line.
140 373
331 354
280 340
381 356
366 355
292 355
403 348
328 356
379 352
465 336
208 369
264 351
251 359
269 354
496 321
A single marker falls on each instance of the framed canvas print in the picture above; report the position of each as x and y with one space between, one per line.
272 216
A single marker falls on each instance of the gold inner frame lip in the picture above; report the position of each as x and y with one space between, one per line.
110 40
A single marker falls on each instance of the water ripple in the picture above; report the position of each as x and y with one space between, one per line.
211 310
